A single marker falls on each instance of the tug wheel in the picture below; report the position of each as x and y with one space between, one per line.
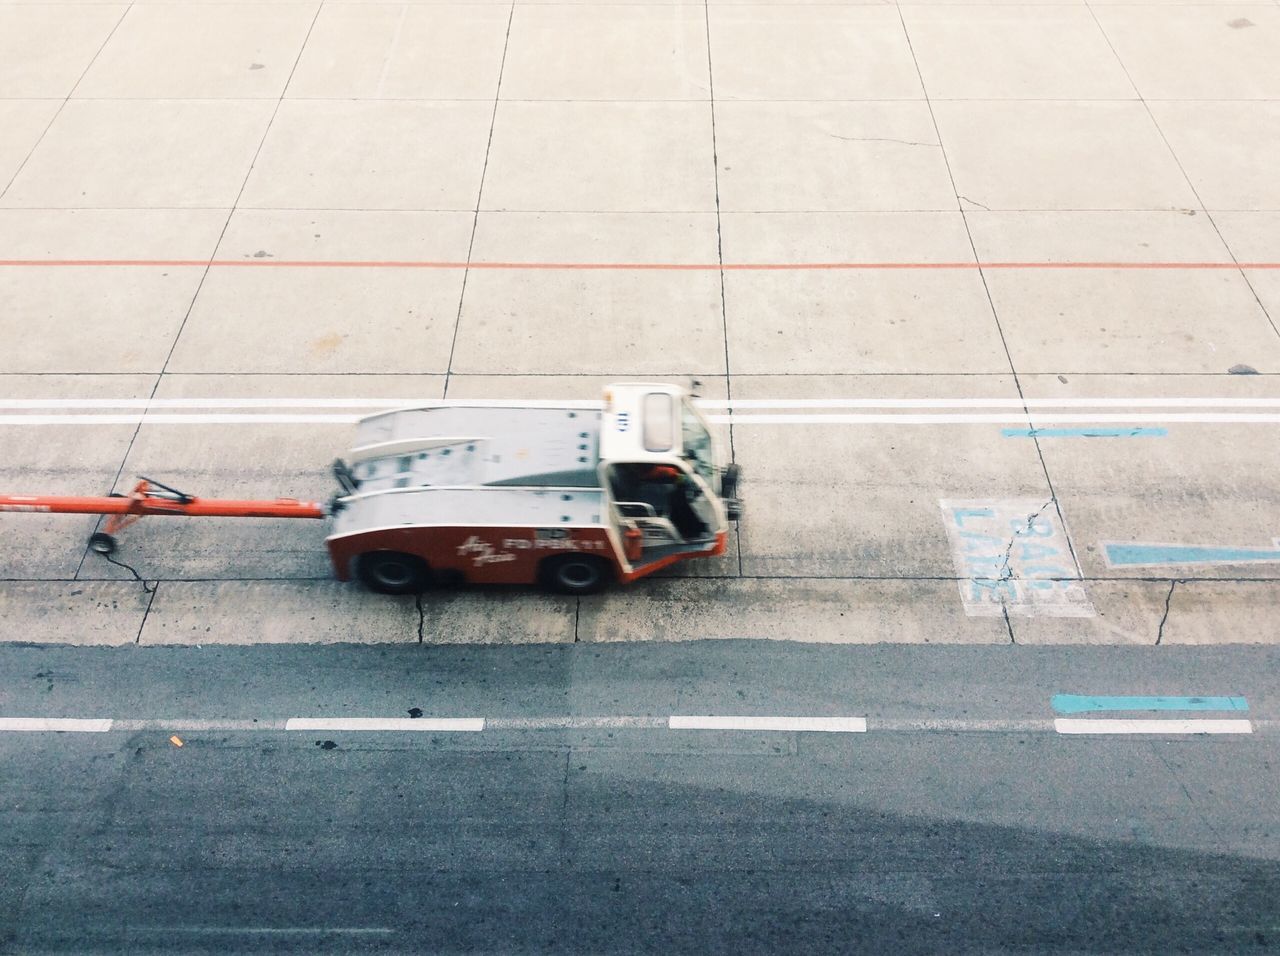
575 574
392 572
102 543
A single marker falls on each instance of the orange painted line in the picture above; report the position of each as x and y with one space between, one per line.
618 266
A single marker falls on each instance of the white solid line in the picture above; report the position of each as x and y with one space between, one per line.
846 725
58 724
376 404
1033 420
429 724
1093 725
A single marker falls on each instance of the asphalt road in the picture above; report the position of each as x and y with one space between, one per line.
578 821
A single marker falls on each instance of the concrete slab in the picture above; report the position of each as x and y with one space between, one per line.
1214 52
103 320
299 319
592 321
844 237
827 612
1127 612
863 322
1121 320
142 153
1224 146
97 613
1060 155
1255 237
24 122
601 157
201 50
245 461
804 52
830 157
349 154
1204 485
45 48
69 460
497 616
1014 52
860 320
163 234
1221 612
863 500
277 612
392 51
631 52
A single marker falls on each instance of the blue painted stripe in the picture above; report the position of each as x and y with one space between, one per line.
1084 432
1079 703
1123 554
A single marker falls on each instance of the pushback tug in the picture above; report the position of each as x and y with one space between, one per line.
569 497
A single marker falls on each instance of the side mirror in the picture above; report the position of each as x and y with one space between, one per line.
345 477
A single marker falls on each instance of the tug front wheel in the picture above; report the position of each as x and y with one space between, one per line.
392 572
102 543
575 574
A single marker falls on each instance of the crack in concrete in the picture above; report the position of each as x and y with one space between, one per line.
1168 599
1006 572
974 202
422 616
881 139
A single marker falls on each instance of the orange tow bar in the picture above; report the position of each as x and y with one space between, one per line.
149 497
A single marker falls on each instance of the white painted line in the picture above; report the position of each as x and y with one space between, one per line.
64 725
428 724
742 403
1092 725
1034 420
843 725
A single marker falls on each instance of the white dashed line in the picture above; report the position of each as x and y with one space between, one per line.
1091 725
64 725
842 725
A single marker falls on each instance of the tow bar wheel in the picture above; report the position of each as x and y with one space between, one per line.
392 572
575 573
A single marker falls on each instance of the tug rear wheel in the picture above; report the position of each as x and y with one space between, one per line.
102 543
575 574
392 572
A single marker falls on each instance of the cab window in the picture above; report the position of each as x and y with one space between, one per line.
697 444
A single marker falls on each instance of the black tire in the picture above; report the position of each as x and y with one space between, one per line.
102 543
392 572
575 574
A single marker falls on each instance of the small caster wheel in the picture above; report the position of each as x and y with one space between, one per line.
102 542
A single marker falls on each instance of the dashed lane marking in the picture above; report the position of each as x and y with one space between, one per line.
65 725
1094 725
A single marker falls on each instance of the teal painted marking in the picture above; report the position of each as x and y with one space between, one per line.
1120 555
1079 703
1084 432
